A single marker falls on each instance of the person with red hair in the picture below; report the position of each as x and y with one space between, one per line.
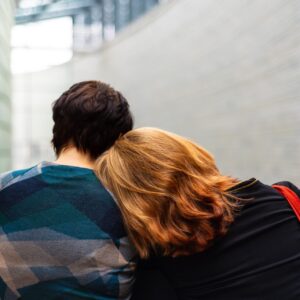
210 236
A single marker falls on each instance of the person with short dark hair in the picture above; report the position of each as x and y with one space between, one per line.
89 116
62 235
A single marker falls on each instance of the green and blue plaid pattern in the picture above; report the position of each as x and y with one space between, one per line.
61 237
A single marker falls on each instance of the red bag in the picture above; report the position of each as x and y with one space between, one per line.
291 197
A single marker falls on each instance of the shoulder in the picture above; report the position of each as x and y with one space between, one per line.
11 177
290 185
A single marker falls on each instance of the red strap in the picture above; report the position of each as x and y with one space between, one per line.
291 197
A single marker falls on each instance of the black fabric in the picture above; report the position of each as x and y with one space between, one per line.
259 258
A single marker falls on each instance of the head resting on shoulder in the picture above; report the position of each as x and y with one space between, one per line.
172 196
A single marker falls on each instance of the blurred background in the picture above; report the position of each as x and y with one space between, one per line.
225 73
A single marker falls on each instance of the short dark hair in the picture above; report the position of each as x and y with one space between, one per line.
90 115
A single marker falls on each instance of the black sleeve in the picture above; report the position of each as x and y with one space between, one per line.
151 284
290 186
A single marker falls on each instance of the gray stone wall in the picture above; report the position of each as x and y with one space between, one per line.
224 73
6 17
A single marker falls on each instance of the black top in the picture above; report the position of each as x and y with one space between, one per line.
259 258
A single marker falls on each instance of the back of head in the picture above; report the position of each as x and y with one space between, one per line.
90 116
171 194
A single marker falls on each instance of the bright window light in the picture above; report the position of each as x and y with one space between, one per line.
38 46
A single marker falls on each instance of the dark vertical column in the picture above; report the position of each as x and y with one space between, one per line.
96 26
109 19
87 28
122 13
102 19
134 9
78 34
143 7
130 10
151 3
138 7
82 34
117 14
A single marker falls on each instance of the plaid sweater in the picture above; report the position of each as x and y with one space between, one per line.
61 237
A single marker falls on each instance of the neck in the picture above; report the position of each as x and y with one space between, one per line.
72 157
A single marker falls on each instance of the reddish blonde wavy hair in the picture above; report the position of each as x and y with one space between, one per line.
172 197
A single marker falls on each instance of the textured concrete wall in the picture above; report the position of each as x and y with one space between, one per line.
6 17
225 73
